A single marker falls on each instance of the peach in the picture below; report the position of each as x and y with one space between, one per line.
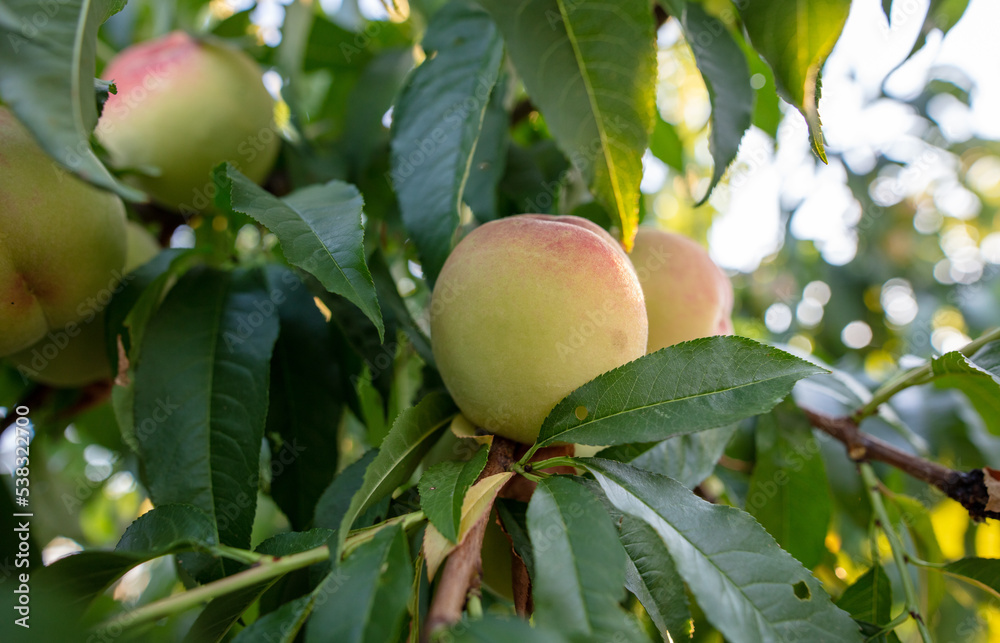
72 361
687 294
62 243
527 309
183 106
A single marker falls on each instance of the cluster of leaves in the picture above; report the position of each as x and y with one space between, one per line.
278 399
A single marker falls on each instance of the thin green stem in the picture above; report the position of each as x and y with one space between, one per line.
891 625
899 555
263 568
527 456
264 571
534 477
558 461
916 376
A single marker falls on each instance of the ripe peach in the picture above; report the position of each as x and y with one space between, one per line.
687 295
183 106
72 361
527 309
62 243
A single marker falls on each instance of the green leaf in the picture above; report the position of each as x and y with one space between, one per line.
219 616
702 384
579 563
294 542
303 416
724 69
916 518
887 10
749 588
652 576
411 436
442 490
201 396
978 377
280 626
167 529
335 500
513 514
47 69
983 572
941 14
795 38
395 310
320 231
131 307
666 145
366 594
789 494
590 67
869 598
688 459
436 125
490 159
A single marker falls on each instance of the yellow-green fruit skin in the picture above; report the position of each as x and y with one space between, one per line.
527 309
183 106
62 242
687 294
83 359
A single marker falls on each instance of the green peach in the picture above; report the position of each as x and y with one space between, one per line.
72 361
183 106
62 242
687 294
527 309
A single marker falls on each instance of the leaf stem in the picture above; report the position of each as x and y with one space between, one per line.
558 461
899 555
916 376
263 571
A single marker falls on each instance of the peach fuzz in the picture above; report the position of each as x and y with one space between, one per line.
527 309
183 106
687 294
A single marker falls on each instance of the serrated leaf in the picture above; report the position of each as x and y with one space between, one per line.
978 377
411 436
795 38
47 69
201 397
748 587
590 67
724 69
442 491
579 564
365 596
869 598
983 572
702 384
789 494
437 122
303 416
320 231
651 575
167 529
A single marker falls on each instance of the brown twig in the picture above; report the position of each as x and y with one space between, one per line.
464 567
966 487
